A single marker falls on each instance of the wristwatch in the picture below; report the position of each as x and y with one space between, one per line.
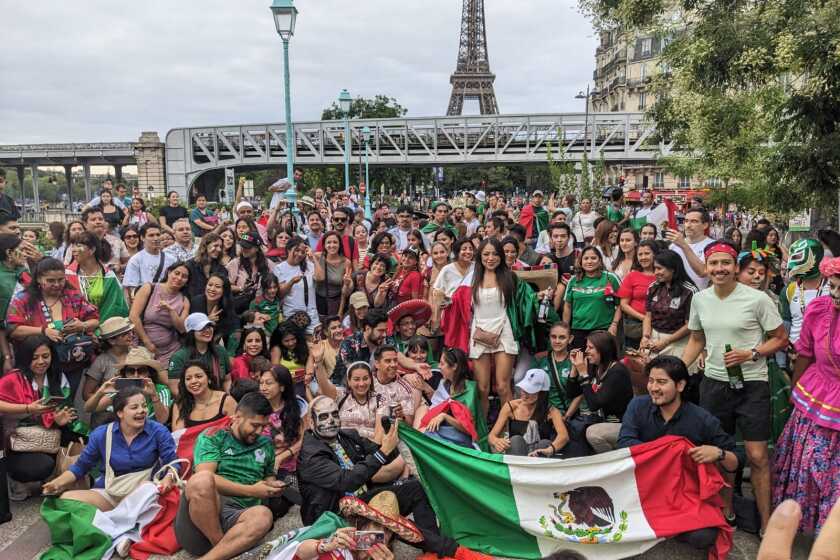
722 455
755 354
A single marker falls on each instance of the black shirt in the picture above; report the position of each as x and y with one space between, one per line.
643 422
7 205
611 395
171 214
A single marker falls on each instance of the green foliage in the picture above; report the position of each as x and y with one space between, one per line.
752 92
565 178
379 107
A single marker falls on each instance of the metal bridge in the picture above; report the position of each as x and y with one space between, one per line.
489 139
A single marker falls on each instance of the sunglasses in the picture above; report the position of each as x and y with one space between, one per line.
129 369
337 219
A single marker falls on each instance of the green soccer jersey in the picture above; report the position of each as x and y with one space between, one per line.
235 460
557 372
593 301
220 368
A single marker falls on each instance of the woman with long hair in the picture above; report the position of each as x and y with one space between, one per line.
267 307
51 307
198 345
332 276
374 281
360 233
253 343
606 241
416 241
734 235
112 213
590 298
131 238
450 278
137 214
457 385
74 227
200 400
278 238
626 259
634 289
359 406
383 244
534 427
439 259
159 310
604 382
217 303
88 274
649 232
25 394
667 305
288 348
407 281
247 270
510 248
297 284
228 247
207 261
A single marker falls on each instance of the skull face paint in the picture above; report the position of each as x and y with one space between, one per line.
325 418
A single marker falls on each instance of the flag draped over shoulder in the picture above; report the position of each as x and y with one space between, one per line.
104 291
665 211
612 505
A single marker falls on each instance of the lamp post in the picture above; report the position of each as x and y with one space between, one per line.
344 101
366 137
585 96
285 17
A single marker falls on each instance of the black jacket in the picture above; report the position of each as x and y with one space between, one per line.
321 479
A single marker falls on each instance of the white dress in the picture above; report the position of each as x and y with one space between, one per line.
490 315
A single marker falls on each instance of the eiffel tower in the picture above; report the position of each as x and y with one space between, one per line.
472 78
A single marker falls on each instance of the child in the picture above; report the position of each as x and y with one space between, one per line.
242 387
258 366
268 305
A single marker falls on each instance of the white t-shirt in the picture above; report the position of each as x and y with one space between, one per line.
296 299
740 320
583 225
278 196
449 278
401 237
142 268
697 248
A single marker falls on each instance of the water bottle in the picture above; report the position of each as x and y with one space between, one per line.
545 305
736 375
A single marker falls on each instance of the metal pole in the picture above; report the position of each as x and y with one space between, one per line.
36 199
586 125
368 213
68 174
290 134
347 148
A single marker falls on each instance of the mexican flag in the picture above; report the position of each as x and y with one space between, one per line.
665 211
145 517
612 505
285 547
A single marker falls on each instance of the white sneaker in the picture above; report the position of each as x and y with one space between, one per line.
18 491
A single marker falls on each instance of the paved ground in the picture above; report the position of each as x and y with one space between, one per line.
26 536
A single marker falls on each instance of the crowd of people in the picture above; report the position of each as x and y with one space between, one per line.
303 334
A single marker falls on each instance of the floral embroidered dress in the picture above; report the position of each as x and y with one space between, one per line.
807 462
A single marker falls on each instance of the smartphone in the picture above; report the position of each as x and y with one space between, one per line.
56 401
299 375
386 423
121 383
366 540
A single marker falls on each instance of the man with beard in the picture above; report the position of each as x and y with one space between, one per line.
335 463
361 346
220 514
662 412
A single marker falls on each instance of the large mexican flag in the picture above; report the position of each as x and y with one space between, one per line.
612 505
665 211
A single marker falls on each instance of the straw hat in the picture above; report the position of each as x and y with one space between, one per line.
384 510
140 356
115 326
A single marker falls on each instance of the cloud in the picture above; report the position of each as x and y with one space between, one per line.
98 70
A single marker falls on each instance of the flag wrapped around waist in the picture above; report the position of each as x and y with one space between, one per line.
285 547
612 505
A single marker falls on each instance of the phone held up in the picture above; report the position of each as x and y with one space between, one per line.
365 540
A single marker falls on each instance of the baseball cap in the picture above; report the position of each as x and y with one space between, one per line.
359 300
535 380
538 193
250 239
197 321
480 196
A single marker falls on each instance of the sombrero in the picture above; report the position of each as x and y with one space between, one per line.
383 510
417 308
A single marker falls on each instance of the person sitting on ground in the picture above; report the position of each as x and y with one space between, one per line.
131 444
198 345
336 462
220 514
663 412
115 340
198 398
534 427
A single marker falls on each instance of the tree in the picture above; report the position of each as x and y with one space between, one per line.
751 91
379 107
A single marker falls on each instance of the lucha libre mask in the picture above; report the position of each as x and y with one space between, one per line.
325 418
805 257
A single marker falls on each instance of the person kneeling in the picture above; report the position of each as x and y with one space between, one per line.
663 412
221 513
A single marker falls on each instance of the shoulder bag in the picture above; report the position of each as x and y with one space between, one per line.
119 487
35 439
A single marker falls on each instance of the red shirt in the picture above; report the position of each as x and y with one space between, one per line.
408 286
635 286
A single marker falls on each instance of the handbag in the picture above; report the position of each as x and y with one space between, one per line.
486 338
67 456
75 349
121 486
35 439
632 328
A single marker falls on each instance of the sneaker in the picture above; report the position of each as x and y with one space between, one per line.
18 491
731 519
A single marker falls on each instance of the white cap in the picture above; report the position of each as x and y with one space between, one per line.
197 321
244 204
480 196
535 380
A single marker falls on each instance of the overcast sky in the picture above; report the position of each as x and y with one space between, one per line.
104 70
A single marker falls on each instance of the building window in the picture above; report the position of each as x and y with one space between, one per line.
713 182
642 101
658 180
643 72
646 46
683 182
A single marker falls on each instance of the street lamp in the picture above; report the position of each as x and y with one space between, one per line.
344 102
366 136
585 96
285 17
